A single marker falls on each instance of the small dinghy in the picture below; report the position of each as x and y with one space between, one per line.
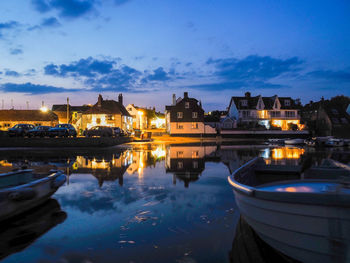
294 141
305 215
22 190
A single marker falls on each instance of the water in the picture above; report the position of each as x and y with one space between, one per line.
146 203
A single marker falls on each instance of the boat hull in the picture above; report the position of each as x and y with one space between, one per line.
17 200
308 233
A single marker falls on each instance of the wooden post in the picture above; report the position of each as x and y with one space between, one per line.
67 109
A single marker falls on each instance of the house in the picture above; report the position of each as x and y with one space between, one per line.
273 111
220 120
187 163
186 117
107 113
9 118
75 114
144 118
327 117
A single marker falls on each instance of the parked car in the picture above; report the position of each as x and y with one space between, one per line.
63 130
100 131
117 131
39 131
20 130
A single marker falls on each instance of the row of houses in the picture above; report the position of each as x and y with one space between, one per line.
104 112
257 113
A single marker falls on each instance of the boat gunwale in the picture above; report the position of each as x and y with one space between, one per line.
33 183
311 198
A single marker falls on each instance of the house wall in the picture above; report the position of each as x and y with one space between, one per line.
187 128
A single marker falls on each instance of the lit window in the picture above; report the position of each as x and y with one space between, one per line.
194 125
179 126
179 115
187 105
195 154
194 115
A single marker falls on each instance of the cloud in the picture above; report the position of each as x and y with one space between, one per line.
12 73
235 85
8 26
330 75
158 75
16 51
41 6
50 22
121 2
254 68
89 67
33 89
65 8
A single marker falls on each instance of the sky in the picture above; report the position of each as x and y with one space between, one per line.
148 50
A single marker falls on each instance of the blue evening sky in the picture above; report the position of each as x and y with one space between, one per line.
147 50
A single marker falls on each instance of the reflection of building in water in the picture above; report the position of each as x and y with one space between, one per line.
104 168
283 156
143 158
234 157
187 162
5 166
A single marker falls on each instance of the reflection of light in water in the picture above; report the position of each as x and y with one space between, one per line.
141 165
5 163
294 189
286 153
159 152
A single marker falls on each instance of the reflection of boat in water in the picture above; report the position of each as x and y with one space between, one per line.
21 231
304 217
248 247
22 190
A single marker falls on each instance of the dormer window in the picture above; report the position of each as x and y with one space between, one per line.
287 103
244 103
187 105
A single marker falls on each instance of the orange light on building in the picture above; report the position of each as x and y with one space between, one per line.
287 153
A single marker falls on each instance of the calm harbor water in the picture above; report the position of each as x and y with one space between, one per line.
145 203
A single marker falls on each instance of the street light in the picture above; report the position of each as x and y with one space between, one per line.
44 109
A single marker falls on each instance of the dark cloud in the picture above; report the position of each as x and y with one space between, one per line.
89 67
158 74
65 8
8 26
16 51
50 22
33 89
12 73
236 85
41 6
254 68
336 76
121 2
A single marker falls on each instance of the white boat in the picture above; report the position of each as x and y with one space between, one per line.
305 218
22 190
333 142
294 141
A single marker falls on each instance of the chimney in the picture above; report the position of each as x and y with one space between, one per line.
247 94
174 99
99 101
120 98
185 95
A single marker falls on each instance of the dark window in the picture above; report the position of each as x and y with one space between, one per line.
179 115
187 105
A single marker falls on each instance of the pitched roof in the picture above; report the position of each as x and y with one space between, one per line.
251 102
63 107
27 115
108 107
